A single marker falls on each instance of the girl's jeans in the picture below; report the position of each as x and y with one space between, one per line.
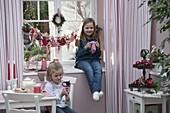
64 110
93 72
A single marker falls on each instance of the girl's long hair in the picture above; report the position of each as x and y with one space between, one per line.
82 34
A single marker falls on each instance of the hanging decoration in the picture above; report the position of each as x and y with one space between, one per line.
41 42
43 39
58 19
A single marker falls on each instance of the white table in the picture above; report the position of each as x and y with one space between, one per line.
46 101
145 99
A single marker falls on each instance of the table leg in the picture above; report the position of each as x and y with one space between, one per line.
163 104
54 106
128 102
142 106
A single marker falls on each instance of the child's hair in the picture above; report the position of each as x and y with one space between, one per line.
82 34
54 67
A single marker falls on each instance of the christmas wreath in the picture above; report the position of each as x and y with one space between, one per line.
58 19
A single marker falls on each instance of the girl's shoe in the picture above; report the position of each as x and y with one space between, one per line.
96 96
101 94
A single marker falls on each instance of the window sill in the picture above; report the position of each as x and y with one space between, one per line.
68 69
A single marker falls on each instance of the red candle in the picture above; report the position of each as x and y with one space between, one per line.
14 71
43 65
8 70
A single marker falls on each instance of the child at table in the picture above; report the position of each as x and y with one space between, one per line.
54 87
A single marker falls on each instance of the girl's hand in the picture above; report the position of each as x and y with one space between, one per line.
88 45
64 93
67 97
97 44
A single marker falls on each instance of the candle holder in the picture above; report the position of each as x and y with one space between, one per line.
14 83
9 83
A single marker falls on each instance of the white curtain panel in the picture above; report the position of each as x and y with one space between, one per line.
11 45
125 35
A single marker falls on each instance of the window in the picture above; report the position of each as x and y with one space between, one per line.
39 14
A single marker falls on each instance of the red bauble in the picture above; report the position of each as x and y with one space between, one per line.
150 83
142 61
138 62
135 83
32 30
147 63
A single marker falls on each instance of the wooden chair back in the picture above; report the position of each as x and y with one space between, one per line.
14 98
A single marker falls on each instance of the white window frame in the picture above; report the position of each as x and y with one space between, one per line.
57 4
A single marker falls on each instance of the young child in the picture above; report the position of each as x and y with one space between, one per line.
88 57
54 87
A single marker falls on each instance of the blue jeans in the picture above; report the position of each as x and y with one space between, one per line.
93 72
64 110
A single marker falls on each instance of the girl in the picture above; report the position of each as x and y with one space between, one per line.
54 87
88 57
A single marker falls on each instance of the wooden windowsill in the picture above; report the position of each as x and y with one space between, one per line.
68 69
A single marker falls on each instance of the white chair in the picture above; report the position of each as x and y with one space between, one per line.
72 81
14 98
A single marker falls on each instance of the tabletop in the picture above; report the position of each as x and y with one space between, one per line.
159 94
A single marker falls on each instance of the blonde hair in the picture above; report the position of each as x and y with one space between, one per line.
82 34
54 67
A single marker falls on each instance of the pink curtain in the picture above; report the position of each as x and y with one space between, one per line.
11 45
125 35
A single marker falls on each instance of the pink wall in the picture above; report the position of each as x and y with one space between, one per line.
158 37
100 21
83 102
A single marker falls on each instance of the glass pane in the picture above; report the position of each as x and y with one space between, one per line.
68 28
50 9
68 52
68 10
30 10
44 13
42 26
83 9
32 48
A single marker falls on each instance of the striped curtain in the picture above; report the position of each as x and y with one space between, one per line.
11 45
125 35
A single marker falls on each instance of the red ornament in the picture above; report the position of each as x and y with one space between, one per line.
58 47
63 41
32 30
150 83
142 61
147 63
75 36
138 62
135 83
44 41
53 43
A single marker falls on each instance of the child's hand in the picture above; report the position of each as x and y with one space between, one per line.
67 97
88 45
64 92
97 45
